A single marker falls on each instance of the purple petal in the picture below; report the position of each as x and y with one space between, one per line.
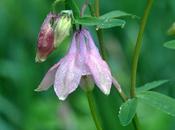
67 77
82 55
97 66
101 73
90 44
48 79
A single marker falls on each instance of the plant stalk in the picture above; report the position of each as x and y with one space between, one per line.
92 107
99 31
136 55
137 49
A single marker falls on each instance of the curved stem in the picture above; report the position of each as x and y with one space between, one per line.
99 31
136 123
92 107
138 48
97 8
54 5
136 56
119 89
86 3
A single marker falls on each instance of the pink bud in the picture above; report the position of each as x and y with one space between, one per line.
45 39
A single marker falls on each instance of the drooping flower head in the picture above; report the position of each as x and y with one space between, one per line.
45 39
83 58
54 30
62 27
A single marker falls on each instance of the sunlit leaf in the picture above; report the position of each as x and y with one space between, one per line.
88 21
127 111
116 14
159 101
170 44
57 1
100 23
111 23
151 85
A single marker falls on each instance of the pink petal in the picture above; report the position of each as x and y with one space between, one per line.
91 45
101 73
97 66
67 77
48 79
82 55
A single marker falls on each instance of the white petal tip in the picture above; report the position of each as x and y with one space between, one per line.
39 59
107 93
62 98
39 89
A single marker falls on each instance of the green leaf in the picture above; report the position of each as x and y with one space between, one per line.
170 44
127 111
115 14
100 23
111 23
159 101
74 6
89 21
151 85
57 1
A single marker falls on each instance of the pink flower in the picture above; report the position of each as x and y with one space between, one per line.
83 58
45 39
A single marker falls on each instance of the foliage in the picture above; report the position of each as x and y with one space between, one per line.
23 109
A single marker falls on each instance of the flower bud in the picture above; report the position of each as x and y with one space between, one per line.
171 30
62 28
45 39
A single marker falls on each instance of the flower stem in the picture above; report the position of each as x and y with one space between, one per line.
99 31
135 122
136 57
119 89
138 48
92 107
86 3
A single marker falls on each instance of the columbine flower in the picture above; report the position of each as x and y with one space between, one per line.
45 39
62 27
82 59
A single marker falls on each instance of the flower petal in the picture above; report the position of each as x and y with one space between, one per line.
101 73
67 77
98 67
48 79
82 53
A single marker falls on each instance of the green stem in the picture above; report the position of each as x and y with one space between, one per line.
136 123
97 8
138 48
92 107
99 31
119 89
136 56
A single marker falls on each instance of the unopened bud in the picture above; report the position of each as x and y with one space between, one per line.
171 30
45 40
62 28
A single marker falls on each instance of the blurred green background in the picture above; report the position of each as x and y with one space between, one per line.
23 109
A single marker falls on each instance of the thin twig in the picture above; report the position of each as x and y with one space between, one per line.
86 3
